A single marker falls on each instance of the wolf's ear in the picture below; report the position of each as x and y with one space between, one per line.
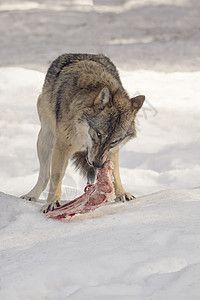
137 102
103 98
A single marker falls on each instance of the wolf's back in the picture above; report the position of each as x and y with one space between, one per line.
73 82
67 59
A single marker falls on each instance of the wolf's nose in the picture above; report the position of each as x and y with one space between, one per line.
97 164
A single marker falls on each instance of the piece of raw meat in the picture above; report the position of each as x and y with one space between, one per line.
94 196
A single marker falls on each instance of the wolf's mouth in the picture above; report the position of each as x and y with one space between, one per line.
94 164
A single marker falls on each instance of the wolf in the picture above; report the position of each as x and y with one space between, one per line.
85 115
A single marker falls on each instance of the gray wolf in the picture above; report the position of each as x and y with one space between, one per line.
85 114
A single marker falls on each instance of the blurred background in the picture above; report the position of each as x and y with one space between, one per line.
161 35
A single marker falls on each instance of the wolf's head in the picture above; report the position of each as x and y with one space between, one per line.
111 123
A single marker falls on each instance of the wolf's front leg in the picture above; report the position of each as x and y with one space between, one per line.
120 193
61 154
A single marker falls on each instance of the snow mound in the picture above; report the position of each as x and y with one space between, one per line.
146 249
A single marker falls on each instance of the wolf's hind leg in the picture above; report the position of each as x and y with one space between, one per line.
45 145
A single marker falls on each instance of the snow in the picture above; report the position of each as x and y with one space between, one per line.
148 248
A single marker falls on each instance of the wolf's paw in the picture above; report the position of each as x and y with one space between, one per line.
124 197
29 198
50 206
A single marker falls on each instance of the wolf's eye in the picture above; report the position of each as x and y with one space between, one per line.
98 134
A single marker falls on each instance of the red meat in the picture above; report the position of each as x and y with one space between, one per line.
94 196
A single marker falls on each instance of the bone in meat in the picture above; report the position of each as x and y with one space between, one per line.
94 196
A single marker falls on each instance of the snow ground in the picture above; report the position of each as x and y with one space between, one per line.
147 249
